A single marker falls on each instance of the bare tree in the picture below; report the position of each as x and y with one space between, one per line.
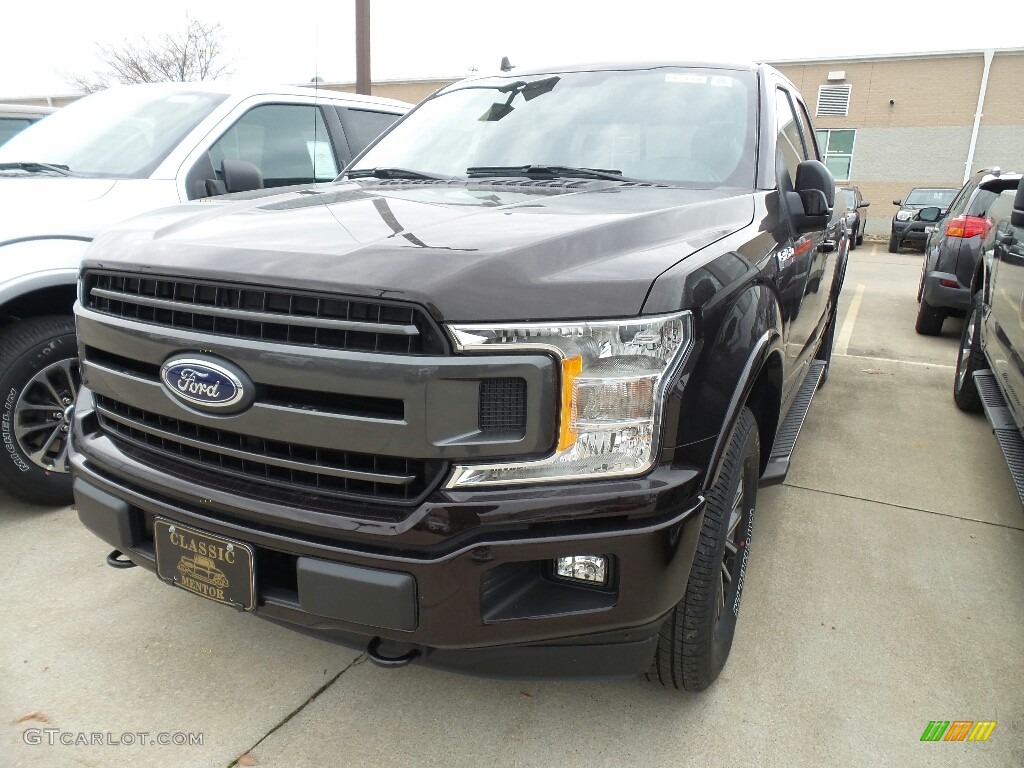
194 53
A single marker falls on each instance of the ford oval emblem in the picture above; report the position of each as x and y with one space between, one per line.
207 384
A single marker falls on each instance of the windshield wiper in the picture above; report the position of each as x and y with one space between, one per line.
63 170
392 173
552 171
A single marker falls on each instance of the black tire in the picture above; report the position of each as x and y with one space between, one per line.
34 418
860 237
929 319
968 360
697 635
853 242
894 243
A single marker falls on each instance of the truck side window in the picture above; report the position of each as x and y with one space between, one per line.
788 147
363 126
289 143
810 141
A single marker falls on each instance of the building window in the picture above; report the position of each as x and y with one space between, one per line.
837 147
833 100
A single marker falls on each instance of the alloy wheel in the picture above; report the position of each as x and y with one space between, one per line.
729 569
42 415
965 349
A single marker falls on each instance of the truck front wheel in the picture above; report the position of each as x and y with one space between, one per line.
697 636
39 379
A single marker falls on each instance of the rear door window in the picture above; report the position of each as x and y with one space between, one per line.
981 203
12 125
363 126
959 202
1002 206
810 140
789 149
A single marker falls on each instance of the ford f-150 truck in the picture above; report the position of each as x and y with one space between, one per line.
498 400
105 158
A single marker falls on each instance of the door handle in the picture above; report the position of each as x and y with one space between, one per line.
827 246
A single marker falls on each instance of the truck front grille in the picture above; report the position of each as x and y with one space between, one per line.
264 314
306 476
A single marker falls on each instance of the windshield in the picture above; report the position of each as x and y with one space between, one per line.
119 133
850 196
929 197
692 127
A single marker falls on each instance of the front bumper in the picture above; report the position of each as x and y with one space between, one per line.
482 601
938 295
910 231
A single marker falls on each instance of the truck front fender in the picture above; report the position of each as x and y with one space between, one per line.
741 351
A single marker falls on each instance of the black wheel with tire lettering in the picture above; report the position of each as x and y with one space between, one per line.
969 360
39 380
697 636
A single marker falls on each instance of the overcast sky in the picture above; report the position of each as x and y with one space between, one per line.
447 38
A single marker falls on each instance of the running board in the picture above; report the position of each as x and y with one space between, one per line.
999 416
789 432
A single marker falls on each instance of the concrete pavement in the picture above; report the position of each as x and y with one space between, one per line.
884 591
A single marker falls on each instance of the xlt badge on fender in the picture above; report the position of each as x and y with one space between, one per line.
207 384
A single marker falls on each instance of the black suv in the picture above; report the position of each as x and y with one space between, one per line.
856 221
951 252
990 366
907 226
499 400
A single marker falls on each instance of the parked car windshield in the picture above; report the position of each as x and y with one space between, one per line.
119 133
691 127
850 196
926 197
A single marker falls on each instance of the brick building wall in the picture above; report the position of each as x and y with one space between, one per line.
914 117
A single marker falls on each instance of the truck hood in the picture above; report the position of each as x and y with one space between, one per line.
56 207
469 251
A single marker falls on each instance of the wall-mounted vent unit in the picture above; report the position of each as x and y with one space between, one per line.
838 74
833 100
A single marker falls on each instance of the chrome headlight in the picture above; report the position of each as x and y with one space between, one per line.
904 215
614 375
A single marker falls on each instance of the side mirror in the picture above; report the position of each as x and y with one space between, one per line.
811 204
241 176
864 204
931 213
1017 217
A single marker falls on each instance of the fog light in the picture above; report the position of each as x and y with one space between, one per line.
591 569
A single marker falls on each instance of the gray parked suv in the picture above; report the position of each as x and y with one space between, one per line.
953 246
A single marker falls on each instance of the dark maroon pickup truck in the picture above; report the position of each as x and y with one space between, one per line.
498 399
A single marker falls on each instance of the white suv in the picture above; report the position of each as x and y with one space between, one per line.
111 156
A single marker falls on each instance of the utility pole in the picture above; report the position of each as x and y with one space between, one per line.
363 46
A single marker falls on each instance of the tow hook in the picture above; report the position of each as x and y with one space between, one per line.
389 662
116 559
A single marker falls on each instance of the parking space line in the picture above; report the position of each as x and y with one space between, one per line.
843 342
893 360
906 507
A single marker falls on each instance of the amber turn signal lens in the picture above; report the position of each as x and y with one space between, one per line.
571 368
